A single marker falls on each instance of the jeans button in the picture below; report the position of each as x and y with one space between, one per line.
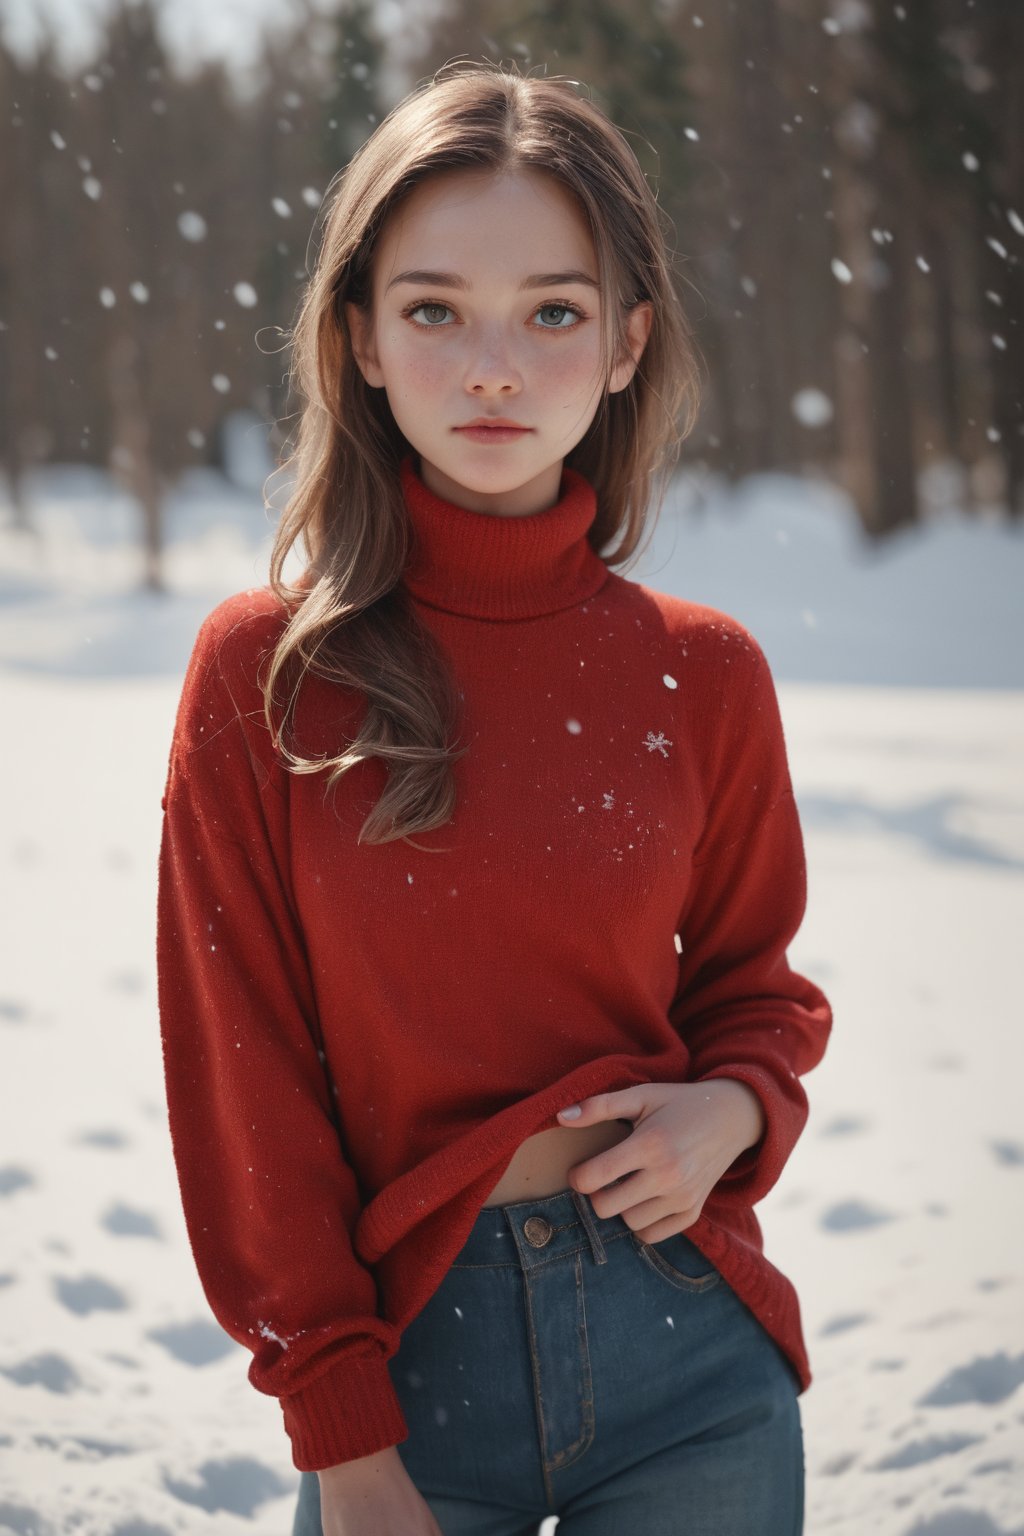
537 1231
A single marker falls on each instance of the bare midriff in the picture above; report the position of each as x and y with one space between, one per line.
540 1164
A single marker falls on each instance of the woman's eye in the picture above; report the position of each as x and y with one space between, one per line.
429 325
562 310
434 311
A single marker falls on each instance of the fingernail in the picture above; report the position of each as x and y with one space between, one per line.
572 1113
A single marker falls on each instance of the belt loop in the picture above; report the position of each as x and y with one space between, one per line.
587 1217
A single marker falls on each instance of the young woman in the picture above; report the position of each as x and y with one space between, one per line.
479 867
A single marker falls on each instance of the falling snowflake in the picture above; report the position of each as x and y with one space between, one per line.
657 743
609 800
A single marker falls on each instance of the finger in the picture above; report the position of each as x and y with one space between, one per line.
668 1226
638 1207
622 1104
660 1216
600 1171
640 1186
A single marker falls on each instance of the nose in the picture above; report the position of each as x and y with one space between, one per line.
491 370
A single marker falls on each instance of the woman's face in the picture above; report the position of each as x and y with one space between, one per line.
485 304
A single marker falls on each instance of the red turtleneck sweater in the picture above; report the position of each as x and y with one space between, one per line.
357 1038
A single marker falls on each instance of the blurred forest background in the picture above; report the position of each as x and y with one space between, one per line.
843 185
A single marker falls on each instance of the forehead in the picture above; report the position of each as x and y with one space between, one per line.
482 223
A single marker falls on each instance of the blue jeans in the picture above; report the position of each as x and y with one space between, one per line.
564 1367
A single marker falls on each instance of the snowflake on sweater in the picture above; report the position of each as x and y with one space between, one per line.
657 743
284 1339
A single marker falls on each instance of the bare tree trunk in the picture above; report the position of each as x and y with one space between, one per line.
876 440
889 363
132 458
856 465
1005 269
21 441
769 237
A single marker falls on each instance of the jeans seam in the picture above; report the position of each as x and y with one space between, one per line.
572 1453
538 1396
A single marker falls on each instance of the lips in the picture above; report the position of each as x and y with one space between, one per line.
494 423
494 431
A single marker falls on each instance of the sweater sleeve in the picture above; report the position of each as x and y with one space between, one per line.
740 1008
270 1202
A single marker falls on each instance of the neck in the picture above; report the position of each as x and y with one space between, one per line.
485 566
537 495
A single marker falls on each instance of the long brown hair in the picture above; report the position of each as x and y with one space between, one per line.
352 621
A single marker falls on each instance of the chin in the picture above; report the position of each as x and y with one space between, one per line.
487 477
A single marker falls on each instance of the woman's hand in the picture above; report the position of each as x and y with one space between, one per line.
685 1135
373 1496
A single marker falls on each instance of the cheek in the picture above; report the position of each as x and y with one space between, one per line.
572 370
401 348
414 373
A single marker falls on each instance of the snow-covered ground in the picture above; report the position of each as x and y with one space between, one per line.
125 1410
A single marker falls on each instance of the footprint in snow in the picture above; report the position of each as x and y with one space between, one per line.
13 1178
837 1465
989 1379
43 1370
23 1519
920 1451
91 1293
108 1137
196 1343
959 1522
82 1448
845 1125
238 1484
844 1322
853 1216
127 1221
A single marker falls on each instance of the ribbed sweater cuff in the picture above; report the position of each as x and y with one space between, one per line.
348 1412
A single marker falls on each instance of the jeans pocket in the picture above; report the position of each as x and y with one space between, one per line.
680 1262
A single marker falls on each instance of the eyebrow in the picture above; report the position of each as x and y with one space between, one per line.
454 280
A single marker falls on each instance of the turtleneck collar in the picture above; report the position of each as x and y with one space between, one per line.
486 566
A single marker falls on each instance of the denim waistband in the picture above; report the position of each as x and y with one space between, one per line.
533 1232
